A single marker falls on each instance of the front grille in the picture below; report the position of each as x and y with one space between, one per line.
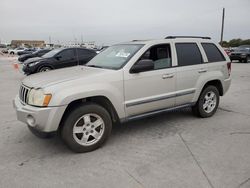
23 93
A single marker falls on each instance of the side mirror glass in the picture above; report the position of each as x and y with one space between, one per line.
142 66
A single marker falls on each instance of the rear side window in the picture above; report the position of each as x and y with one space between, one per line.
212 52
85 53
188 54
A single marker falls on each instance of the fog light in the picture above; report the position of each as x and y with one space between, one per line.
31 120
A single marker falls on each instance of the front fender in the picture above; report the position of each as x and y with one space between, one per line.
68 94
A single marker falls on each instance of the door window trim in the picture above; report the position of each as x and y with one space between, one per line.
202 58
171 53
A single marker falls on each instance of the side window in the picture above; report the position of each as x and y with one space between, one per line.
188 54
212 52
160 55
82 53
67 54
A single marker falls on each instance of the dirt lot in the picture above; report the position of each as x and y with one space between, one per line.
174 149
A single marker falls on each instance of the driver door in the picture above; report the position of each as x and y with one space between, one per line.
151 90
66 58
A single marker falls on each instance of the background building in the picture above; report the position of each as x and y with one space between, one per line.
28 43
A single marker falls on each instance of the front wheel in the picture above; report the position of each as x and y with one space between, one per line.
44 69
246 60
86 127
207 103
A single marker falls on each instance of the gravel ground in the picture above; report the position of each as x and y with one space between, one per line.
174 149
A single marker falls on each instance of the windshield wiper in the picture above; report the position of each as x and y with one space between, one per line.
96 66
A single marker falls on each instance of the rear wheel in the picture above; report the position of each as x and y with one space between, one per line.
86 128
207 103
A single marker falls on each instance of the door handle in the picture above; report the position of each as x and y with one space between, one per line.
165 76
202 70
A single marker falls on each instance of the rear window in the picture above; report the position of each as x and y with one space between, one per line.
188 54
212 52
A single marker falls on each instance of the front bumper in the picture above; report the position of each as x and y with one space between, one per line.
28 70
42 119
238 57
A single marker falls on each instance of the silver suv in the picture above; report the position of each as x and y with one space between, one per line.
124 82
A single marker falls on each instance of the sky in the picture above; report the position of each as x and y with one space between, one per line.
112 21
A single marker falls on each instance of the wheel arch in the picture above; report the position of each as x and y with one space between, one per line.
44 65
217 83
100 100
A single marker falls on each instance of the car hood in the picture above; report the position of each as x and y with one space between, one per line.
239 51
34 59
45 79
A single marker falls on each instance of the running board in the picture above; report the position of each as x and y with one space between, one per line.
152 113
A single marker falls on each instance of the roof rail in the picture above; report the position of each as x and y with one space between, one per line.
174 37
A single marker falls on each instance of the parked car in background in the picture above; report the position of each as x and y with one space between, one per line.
241 54
58 58
38 53
3 45
16 50
244 47
6 50
123 83
27 51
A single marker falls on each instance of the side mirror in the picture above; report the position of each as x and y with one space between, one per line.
58 57
142 65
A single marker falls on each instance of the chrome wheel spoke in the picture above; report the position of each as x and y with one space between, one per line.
77 130
86 119
96 134
205 105
84 139
97 123
212 95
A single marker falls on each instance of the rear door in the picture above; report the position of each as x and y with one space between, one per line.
191 67
84 55
65 58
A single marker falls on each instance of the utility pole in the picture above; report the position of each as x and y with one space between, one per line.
81 39
222 26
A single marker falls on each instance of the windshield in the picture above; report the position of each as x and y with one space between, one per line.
51 53
115 56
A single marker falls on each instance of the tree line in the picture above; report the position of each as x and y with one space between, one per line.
235 43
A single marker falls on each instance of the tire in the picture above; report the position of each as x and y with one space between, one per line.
245 60
44 69
208 110
42 135
86 127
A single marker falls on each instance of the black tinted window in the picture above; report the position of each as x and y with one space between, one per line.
67 54
212 52
188 54
84 52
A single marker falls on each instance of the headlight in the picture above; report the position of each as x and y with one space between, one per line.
38 98
32 64
243 54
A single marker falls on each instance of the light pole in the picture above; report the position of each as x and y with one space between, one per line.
222 26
